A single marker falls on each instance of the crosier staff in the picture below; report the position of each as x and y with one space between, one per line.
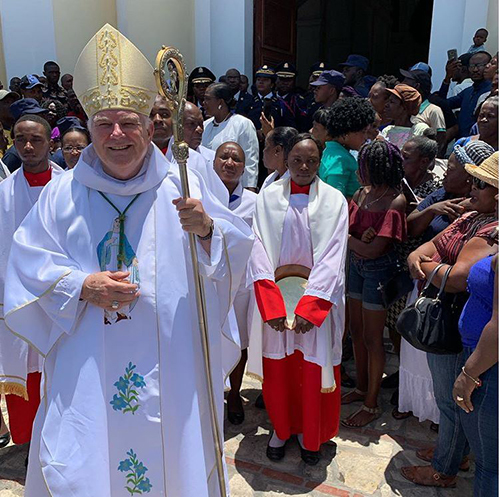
174 90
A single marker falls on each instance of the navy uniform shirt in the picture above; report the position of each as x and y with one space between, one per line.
257 107
294 107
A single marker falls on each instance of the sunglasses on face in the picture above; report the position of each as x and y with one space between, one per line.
479 183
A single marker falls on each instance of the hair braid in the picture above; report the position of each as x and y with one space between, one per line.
381 163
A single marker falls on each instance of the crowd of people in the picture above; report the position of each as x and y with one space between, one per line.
368 190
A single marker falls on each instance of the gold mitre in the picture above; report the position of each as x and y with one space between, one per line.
111 73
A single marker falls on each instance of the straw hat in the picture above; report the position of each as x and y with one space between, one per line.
487 171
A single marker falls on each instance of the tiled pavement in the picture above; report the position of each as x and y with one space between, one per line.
357 463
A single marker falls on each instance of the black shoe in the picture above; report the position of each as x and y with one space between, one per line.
259 402
391 381
310 457
235 418
275 453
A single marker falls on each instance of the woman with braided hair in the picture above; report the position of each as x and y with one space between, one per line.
377 223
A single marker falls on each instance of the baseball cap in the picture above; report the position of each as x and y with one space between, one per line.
422 66
355 60
26 106
421 77
6 93
30 81
332 77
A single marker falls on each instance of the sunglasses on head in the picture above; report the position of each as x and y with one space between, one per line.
479 183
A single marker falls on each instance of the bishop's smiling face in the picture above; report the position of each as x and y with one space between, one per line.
121 139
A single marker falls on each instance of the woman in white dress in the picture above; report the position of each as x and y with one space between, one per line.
223 126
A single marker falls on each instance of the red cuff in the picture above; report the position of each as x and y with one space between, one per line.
269 300
313 309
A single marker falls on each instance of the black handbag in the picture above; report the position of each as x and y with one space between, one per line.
431 322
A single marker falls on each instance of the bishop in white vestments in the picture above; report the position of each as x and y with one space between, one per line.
100 282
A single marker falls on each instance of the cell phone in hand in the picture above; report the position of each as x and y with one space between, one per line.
268 105
452 54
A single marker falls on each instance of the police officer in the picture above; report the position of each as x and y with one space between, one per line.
312 105
294 105
198 82
242 99
265 101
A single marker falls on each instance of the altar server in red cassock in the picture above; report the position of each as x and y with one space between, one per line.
299 220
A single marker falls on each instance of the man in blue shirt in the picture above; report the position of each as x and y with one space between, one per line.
467 99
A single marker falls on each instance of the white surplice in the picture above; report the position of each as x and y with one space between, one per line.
17 358
197 162
310 230
237 129
124 403
244 207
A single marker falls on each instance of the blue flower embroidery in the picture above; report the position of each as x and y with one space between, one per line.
137 483
127 399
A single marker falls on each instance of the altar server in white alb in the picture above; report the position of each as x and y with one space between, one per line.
20 364
224 126
299 221
229 165
100 282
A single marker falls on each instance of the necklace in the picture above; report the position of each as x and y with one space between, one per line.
121 219
216 124
366 206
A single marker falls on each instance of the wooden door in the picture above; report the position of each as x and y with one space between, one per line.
274 32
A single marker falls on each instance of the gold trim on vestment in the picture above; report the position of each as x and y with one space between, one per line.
329 389
12 388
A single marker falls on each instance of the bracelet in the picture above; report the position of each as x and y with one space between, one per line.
210 233
467 375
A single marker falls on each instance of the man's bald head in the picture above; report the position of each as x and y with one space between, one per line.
229 164
193 125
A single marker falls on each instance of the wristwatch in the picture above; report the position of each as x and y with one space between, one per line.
210 233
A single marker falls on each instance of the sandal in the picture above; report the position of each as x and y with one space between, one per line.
375 412
400 415
427 476
427 455
355 391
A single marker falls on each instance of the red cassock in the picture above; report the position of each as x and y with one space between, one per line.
292 386
22 412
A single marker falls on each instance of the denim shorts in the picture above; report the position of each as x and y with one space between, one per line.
366 277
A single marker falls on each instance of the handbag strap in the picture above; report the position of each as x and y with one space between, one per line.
443 281
431 276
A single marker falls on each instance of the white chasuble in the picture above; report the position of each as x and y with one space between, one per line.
125 409
17 358
309 230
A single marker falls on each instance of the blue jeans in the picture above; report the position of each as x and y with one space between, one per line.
366 276
452 444
481 430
